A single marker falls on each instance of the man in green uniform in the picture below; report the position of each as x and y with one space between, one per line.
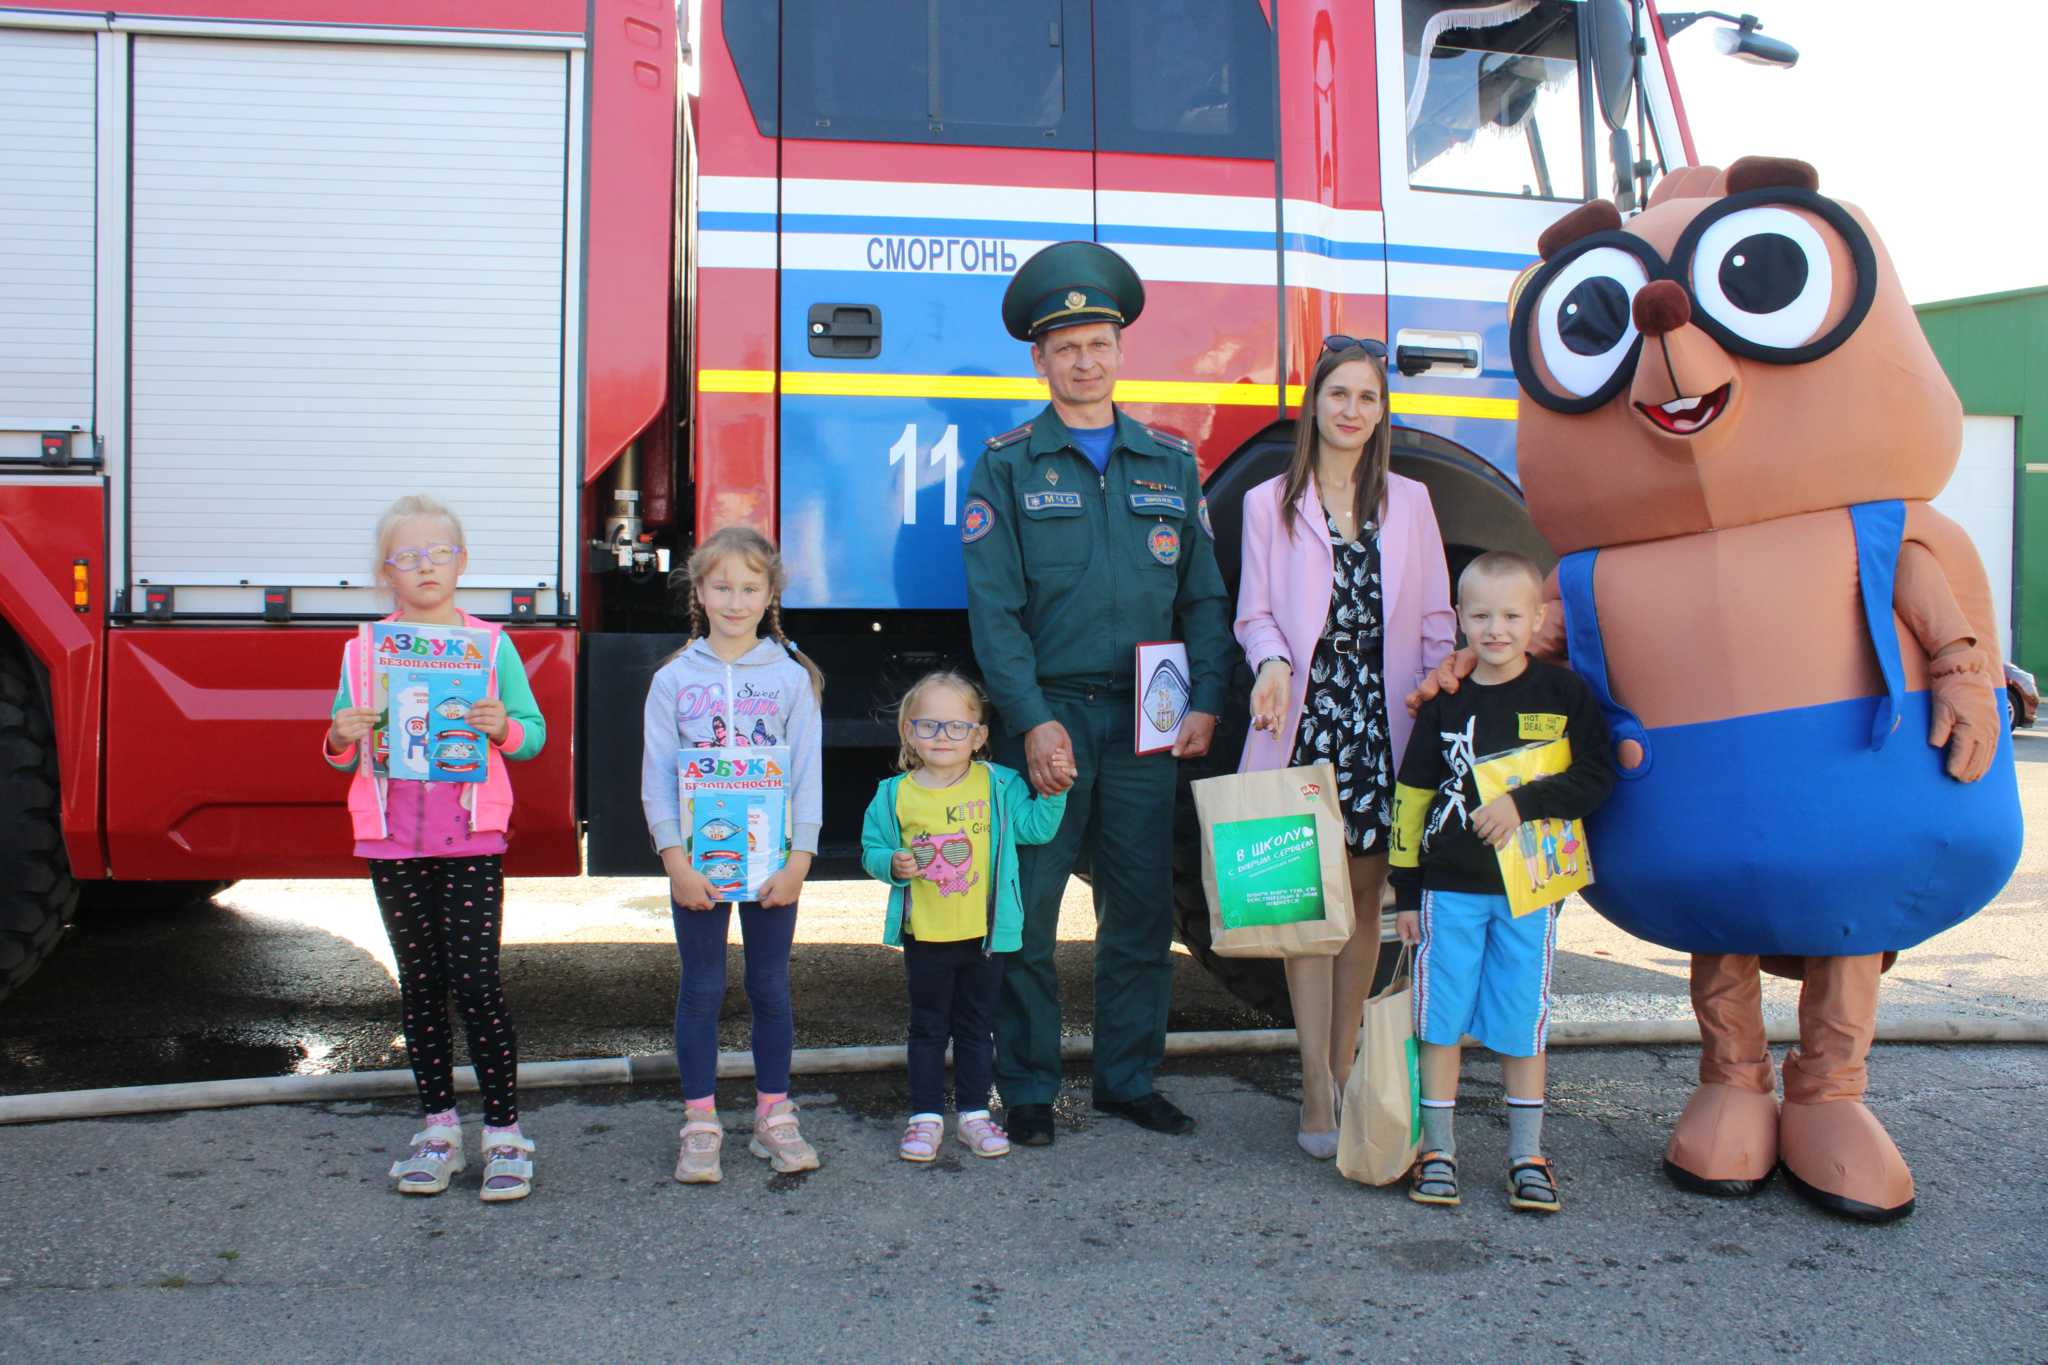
1085 534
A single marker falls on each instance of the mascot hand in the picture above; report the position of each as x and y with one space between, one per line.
1455 668
1965 713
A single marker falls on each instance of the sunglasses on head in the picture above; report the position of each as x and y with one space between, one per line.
1337 341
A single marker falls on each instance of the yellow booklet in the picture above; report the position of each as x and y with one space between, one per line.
1547 860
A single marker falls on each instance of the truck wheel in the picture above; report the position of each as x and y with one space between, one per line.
98 898
37 895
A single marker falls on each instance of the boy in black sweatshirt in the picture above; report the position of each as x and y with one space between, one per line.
1480 969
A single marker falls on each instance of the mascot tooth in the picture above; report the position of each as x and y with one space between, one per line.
1733 429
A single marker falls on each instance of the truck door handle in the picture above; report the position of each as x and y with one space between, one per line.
845 331
1414 360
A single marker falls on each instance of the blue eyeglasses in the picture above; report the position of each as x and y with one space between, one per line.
931 729
1337 341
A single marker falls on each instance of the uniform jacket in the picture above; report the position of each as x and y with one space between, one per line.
489 802
698 700
1283 601
1068 571
1019 817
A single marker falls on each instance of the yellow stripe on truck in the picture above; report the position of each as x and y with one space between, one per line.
1011 388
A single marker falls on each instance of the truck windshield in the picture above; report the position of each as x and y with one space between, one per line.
1493 97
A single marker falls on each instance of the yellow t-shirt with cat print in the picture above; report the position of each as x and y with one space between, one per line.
946 831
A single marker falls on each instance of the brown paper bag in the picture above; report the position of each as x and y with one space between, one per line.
1273 863
1380 1126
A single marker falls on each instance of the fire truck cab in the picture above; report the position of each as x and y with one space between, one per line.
604 278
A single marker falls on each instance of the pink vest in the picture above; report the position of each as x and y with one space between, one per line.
489 802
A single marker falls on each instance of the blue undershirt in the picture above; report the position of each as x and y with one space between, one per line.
1095 442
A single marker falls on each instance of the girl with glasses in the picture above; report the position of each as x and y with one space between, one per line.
943 834
1344 602
435 851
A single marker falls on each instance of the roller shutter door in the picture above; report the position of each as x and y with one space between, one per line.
347 286
47 101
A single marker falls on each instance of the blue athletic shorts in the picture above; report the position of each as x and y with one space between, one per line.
1481 971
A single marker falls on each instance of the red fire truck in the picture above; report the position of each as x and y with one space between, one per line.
604 282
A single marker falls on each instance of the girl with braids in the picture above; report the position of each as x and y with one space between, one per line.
729 685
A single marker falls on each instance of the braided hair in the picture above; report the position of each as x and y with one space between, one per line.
759 554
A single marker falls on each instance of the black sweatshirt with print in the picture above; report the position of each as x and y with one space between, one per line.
1454 731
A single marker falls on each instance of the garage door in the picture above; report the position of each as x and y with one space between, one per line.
1979 497
46 237
348 267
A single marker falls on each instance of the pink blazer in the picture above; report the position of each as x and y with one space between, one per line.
1283 601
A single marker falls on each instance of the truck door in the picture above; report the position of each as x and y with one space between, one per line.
1485 140
927 149
1185 189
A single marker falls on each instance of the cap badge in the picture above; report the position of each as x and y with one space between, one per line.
1075 298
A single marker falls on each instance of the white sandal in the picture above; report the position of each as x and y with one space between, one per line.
436 1157
921 1138
500 1163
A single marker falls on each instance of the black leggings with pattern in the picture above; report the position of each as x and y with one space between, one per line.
442 916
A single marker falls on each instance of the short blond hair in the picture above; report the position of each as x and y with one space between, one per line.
404 510
906 757
1503 564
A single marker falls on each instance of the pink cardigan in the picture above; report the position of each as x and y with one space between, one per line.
1283 601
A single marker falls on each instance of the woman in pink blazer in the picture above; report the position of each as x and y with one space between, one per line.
1344 605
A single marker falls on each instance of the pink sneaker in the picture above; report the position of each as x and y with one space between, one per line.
778 1141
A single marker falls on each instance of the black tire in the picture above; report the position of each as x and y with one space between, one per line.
99 898
37 895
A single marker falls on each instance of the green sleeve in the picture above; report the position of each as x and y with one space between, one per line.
341 699
1036 819
1204 609
517 694
880 835
994 561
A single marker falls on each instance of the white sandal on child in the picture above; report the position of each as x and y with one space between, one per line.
507 1156
436 1157
980 1135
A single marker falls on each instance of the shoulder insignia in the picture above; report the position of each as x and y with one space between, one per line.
1171 441
1010 437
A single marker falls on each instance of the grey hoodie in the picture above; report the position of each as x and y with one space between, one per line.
698 700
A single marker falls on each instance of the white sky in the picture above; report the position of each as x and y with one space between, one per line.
1927 115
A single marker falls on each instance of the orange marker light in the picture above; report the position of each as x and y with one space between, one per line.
81 595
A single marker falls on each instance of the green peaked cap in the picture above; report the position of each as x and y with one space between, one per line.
1070 283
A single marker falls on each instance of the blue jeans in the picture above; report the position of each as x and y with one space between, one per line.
700 941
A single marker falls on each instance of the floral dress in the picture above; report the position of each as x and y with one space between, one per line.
1344 712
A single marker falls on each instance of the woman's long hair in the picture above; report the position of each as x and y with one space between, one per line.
1308 443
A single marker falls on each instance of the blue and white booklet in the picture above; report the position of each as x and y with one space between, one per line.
735 809
426 678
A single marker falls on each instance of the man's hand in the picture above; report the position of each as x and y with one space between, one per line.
487 717
1195 733
1455 667
1408 925
1497 820
1269 694
902 865
785 886
1049 758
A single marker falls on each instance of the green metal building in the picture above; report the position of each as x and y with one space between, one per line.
1995 349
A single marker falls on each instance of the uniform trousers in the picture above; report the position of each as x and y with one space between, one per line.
1119 817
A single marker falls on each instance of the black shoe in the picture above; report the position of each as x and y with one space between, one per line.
1029 1125
1153 1112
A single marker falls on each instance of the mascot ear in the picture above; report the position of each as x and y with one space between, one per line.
1771 172
1599 215
1688 182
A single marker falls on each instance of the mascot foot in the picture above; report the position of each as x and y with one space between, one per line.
1837 1155
1725 1143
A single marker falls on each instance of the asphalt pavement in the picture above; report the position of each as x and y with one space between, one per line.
272 1234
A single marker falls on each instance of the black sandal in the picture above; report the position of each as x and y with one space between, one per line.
1436 1179
1532 1185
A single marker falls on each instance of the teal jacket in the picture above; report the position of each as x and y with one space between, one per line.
1020 817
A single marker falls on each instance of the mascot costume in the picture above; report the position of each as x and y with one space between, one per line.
1733 428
